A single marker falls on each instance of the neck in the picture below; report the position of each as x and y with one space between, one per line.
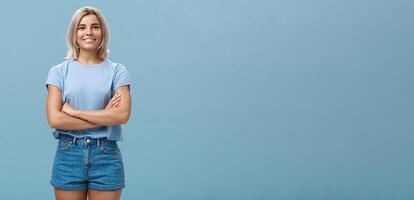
88 58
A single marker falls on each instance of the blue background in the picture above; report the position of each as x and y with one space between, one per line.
231 99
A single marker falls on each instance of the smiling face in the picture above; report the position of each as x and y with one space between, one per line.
89 33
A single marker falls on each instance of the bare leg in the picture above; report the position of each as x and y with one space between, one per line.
70 194
104 195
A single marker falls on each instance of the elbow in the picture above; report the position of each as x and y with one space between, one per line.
53 123
124 121
124 118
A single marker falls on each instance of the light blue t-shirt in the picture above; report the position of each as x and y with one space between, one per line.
89 87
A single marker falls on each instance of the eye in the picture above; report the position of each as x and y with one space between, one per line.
81 28
96 27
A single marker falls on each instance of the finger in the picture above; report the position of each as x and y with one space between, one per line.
116 100
115 97
115 104
111 100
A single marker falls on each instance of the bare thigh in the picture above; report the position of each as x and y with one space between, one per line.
104 195
70 194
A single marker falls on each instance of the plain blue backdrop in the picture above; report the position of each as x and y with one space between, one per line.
232 100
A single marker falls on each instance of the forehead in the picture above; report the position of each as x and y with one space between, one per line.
89 19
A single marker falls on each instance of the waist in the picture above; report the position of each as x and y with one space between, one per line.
111 132
82 139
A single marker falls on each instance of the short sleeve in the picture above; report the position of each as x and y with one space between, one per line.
121 77
55 77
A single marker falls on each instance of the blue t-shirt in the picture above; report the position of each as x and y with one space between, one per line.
89 87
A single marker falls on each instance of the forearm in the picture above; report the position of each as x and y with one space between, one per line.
64 121
105 117
116 112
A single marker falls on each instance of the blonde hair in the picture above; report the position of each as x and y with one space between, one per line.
73 47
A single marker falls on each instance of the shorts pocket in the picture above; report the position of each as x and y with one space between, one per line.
109 146
64 144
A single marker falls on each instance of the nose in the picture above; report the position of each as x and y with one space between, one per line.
88 31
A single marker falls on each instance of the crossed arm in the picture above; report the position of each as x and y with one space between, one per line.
65 117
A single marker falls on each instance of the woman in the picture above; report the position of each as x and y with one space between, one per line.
88 100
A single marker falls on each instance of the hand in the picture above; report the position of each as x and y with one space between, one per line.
114 102
68 109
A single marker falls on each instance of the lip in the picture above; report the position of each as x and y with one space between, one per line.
88 39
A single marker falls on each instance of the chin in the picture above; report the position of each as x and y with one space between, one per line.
89 48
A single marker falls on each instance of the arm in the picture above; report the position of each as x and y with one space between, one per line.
58 119
106 117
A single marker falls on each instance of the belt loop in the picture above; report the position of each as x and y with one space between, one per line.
99 142
74 140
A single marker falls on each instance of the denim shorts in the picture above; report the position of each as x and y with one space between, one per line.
87 163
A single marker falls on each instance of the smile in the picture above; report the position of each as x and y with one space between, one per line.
89 40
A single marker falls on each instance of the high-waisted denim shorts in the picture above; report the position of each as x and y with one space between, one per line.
87 163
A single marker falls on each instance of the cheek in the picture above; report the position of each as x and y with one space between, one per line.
98 34
78 35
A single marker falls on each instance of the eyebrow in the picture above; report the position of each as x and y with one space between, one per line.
91 24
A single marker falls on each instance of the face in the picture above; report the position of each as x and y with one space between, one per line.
89 34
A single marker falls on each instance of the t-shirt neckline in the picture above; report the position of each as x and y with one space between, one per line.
88 66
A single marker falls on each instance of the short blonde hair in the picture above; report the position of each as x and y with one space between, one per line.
73 47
